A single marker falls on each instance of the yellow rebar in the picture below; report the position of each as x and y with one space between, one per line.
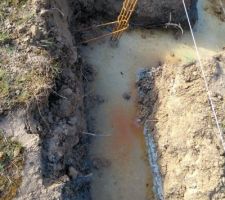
96 26
105 35
120 18
102 36
124 17
122 22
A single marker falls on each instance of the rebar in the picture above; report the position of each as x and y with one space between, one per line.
122 22
123 18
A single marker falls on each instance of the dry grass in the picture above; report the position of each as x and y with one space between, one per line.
4 38
11 165
25 75
24 78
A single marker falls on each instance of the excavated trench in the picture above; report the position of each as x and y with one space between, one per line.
118 145
97 140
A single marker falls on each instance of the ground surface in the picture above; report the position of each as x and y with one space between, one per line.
175 109
27 69
11 164
37 46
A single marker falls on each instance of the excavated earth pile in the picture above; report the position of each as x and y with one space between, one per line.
175 110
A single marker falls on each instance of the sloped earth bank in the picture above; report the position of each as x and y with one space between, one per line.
175 110
50 127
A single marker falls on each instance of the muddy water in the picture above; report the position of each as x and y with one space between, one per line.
128 176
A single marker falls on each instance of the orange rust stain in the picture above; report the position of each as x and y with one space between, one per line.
127 135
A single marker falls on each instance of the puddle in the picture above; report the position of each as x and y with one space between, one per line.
129 176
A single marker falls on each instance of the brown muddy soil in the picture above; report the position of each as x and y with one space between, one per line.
174 107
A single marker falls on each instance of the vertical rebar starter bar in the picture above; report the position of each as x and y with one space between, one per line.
123 18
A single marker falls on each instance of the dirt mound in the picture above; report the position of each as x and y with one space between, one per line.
175 109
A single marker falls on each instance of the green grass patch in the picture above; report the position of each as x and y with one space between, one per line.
25 76
11 165
223 126
14 2
4 86
4 38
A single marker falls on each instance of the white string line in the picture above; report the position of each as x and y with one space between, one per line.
205 80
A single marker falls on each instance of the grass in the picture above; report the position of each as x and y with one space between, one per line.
14 2
29 84
19 15
4 38
24 76
4 86
11 165
19 89
223 126
11 152
23 80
